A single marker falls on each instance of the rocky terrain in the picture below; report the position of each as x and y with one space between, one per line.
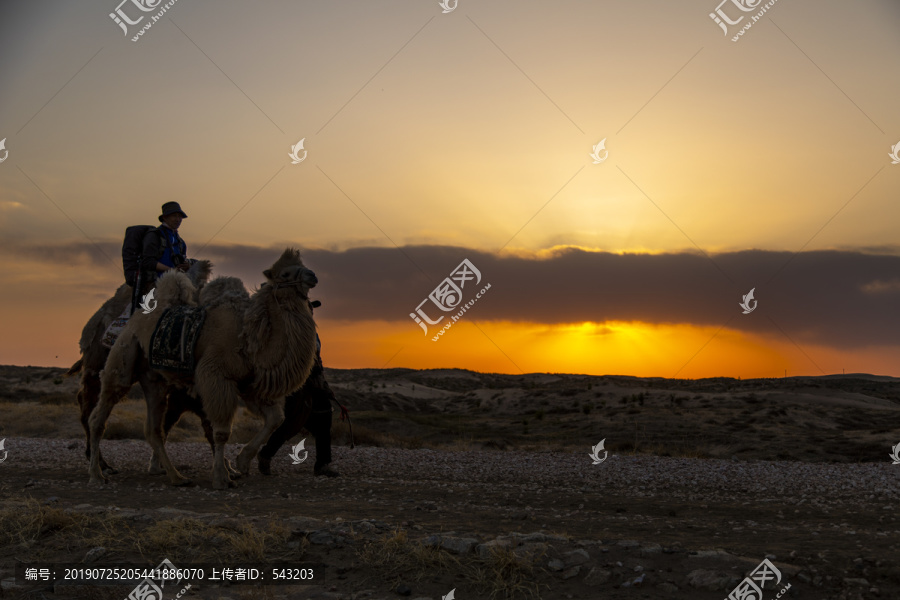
428 502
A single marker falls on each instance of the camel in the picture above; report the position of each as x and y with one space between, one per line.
258 349
94 355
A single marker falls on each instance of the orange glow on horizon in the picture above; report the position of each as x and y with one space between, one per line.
624 348
637 349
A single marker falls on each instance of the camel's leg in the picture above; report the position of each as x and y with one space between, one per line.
274 416
185 402
219 397
97 423
86 408
176 408
181 402
155 393
220 478
196 407
115 383
88 397
296 413
210 436
155 467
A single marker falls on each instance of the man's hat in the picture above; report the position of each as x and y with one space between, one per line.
171 207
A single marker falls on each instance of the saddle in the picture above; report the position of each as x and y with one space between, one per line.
115 328
175 338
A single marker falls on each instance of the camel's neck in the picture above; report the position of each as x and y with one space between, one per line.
287 345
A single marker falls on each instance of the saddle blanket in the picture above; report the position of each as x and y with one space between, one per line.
115 328
175 337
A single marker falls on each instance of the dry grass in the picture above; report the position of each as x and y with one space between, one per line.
40 530
180 539
193 540
30 522
252 543
29 419
388 553
34 419
503 574
61 420
367 436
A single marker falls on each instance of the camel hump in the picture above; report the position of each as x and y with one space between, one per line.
174 288
225 291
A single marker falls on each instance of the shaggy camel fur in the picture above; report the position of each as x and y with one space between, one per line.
258 349
307 408
94 354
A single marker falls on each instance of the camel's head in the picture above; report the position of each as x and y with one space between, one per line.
289 272
200 272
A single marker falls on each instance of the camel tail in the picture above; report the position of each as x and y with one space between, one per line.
76 368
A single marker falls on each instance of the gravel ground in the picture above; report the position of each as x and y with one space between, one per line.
832 527
688 480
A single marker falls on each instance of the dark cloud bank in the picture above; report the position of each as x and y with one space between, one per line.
839 298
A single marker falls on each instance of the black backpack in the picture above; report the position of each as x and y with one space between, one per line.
133 247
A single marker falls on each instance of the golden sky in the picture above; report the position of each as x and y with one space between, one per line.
471 131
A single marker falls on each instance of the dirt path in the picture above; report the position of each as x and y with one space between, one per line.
692 528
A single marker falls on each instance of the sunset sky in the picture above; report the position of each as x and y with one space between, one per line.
436 137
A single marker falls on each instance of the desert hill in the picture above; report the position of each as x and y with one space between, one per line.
833 418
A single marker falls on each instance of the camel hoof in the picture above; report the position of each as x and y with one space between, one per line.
223 485
243 464
184 481
154 467
232 472
98 482
110 471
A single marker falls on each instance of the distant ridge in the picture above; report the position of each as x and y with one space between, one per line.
456 372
